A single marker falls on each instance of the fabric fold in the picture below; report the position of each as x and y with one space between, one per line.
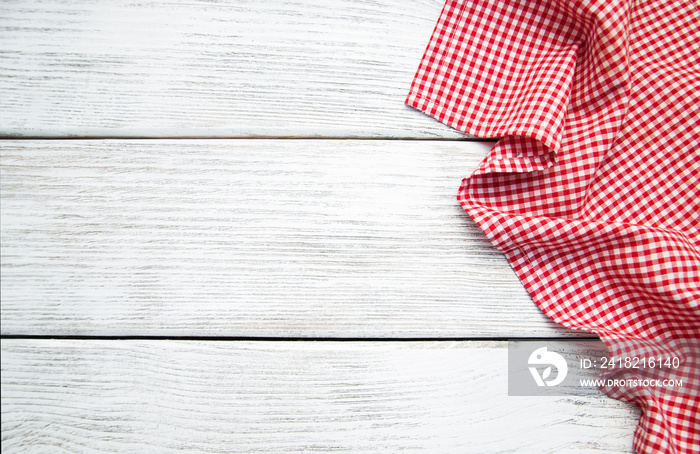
592 191
522 89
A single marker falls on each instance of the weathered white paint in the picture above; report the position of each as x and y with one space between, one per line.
251 238
199 68
245 397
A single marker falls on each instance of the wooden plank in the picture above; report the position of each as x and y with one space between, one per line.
251 238
213 69
246 397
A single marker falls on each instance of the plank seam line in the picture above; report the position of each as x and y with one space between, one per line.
284 339
127 137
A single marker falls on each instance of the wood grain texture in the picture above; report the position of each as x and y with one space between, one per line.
281 238
245 397
251 238
205 69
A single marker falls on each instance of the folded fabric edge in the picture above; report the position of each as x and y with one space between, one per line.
528 266
536 158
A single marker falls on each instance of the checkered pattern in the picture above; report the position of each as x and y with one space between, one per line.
593 193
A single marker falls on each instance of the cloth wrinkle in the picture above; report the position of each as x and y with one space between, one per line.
592 190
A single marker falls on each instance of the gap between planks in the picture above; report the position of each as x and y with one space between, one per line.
284 339
465 138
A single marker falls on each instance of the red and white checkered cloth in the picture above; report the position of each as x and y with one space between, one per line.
593 193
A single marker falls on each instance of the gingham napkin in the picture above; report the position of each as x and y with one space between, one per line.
593 192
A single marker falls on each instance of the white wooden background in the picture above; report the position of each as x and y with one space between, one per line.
215 171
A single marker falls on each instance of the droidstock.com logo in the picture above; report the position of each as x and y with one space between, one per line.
554 368
542 357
